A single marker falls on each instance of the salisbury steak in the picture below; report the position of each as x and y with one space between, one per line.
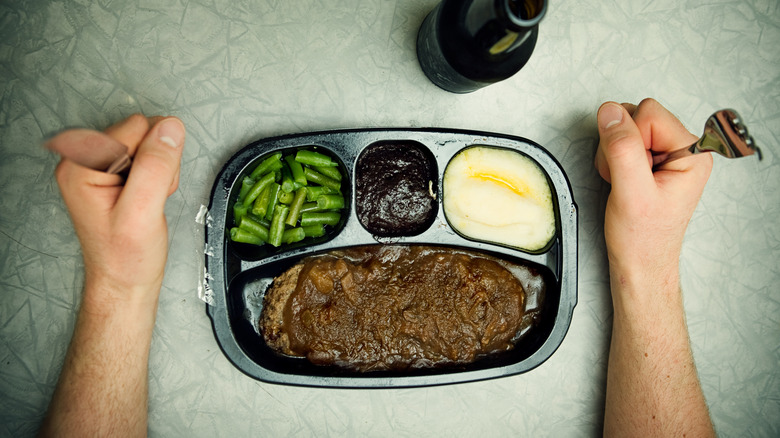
394 307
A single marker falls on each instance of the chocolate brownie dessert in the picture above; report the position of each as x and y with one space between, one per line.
395 187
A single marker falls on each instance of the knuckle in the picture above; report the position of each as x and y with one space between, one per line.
649 102
138 118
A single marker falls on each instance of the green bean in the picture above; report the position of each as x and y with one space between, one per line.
314 192
277 225
325 218
246 184
270 164
293 235
330 172
261 203
242 236
286 197
314 230
239 211
289 185
309 206
296 169
295 207
260 220
330 202
254 227
273 199
318 178
258 188
312 158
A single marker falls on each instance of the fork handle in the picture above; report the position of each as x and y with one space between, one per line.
661 159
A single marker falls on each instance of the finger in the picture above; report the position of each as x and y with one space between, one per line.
89 148
600 162
622 155
155 168
153 120
69 173
86 192
630 107
130 131
660 127
667 133
175 184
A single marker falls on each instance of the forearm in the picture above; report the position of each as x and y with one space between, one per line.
652 385
103 386
121 225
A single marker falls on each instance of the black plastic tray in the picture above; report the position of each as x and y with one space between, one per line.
239 275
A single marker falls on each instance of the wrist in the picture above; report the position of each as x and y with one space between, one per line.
653 266
105 297
645 288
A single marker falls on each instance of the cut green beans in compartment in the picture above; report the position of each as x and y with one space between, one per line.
290 196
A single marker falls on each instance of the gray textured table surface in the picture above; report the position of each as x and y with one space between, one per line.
236 71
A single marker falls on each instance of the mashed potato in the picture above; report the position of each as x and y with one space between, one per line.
499 195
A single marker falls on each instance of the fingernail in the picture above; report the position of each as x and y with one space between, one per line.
171 132
610 115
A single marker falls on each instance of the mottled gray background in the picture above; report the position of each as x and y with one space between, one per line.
235 71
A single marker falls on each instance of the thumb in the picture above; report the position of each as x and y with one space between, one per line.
622 156
154 174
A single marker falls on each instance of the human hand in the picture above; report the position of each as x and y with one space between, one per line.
647 212
121 224
652 387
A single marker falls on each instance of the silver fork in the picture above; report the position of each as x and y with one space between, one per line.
724 134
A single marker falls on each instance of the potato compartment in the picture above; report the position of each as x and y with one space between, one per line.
493 181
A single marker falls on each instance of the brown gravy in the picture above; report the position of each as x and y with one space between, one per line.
386 307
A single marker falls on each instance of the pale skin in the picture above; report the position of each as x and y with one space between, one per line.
102 389
652 386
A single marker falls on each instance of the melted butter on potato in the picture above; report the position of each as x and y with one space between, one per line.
499 195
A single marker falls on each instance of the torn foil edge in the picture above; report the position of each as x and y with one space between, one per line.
205 291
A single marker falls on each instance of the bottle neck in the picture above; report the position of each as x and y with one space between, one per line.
500 26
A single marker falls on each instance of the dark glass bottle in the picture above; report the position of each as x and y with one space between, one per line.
464 45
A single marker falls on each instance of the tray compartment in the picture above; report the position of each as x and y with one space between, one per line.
246 251
245 305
